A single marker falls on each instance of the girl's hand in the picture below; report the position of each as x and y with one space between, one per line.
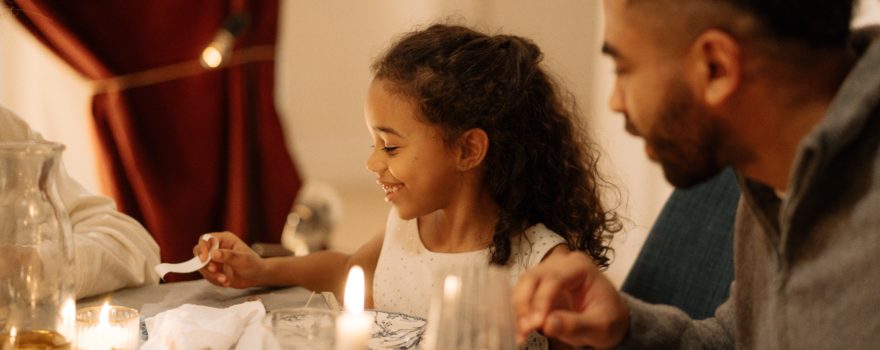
234 264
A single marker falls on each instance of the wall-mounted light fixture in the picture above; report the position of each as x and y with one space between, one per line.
219 50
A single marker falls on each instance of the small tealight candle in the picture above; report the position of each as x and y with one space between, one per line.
107 327
353 325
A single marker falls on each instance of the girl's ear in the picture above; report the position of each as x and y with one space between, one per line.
472 145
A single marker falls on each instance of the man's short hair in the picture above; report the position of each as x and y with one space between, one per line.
814 23
818 23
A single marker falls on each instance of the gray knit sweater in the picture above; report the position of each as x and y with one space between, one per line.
808 266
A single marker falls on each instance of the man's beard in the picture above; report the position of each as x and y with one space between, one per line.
685 140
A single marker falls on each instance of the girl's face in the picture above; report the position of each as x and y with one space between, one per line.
412 165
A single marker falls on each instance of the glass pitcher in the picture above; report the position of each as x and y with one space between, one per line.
37 295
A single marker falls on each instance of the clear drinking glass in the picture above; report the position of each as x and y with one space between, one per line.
37 301
289 238
470 309
303 328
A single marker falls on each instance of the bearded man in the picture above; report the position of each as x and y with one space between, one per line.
789 96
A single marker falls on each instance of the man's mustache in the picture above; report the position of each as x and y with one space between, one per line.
630 127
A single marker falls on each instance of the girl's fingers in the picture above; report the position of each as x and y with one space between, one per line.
227 278
201 250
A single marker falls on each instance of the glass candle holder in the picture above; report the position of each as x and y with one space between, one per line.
302 328
107 327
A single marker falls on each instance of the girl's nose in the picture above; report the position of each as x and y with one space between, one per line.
375 165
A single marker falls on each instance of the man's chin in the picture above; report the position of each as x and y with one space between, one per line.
687 177
649 151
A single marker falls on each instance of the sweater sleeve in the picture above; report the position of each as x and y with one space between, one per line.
666 327
113 250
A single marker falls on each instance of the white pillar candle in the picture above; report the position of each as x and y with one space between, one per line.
353 325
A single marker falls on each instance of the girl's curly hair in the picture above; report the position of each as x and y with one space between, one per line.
540 168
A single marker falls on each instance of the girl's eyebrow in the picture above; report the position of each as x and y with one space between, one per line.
388 130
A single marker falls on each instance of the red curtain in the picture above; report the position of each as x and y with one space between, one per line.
187 150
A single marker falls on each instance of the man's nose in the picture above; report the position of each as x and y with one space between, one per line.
616 101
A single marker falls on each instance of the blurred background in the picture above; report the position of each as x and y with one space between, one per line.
321 72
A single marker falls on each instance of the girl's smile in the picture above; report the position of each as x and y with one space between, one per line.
390 189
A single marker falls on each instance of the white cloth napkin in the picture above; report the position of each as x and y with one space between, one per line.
201 327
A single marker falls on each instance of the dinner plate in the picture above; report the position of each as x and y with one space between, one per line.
393 330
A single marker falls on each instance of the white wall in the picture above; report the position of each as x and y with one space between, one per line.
51 96
868 13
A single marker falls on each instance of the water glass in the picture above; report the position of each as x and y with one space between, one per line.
303 328
471 309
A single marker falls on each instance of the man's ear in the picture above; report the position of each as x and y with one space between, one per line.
472 147
718 62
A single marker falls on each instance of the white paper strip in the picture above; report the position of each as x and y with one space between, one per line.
190 265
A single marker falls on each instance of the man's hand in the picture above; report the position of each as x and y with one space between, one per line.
566 297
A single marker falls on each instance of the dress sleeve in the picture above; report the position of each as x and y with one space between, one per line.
538 241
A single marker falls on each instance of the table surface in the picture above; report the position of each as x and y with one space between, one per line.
153 299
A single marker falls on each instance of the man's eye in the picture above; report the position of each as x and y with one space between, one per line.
389 148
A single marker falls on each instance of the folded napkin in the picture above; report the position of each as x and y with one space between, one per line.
201 327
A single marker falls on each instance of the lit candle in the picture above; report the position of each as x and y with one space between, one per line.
67 326
353 325
110 327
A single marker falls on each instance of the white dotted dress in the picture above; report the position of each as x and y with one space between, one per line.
405 274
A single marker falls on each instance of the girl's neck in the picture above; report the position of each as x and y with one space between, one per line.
465 226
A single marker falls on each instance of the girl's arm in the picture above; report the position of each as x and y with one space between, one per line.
325 270
236 265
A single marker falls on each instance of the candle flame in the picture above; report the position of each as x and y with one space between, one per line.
104 316
68 311
67 324
354 290
451 286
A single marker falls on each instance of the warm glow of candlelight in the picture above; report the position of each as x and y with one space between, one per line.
107 327
354 290
451 286
68 311
353 325
104 316
68 319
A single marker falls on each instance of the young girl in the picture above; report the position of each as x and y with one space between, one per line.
479 154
